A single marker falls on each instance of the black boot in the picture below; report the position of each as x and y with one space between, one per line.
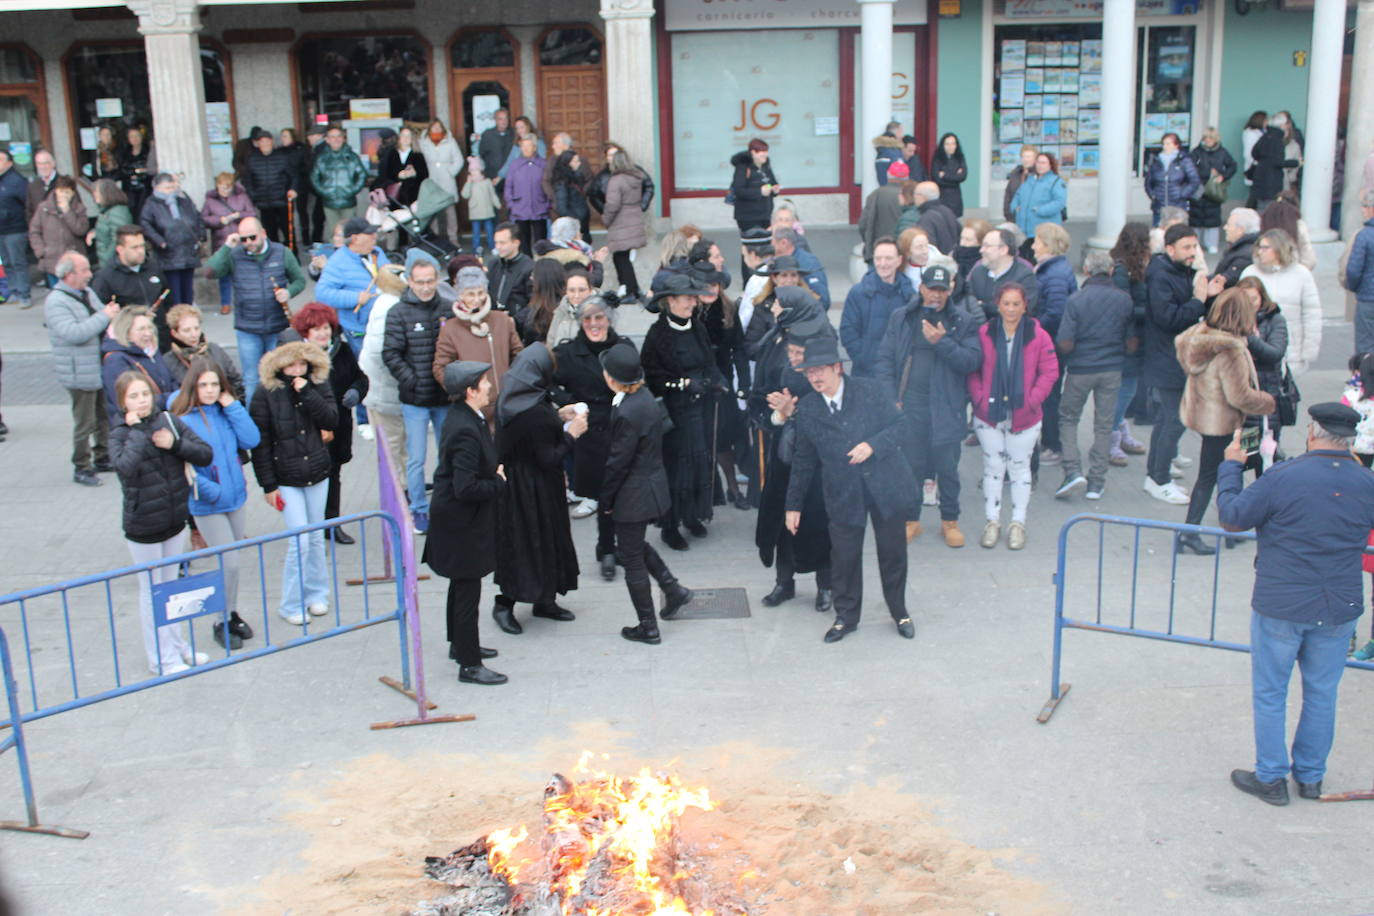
675 596
504 615
1192 542
608 567
825 599
783 591
642 596
674 539
239 627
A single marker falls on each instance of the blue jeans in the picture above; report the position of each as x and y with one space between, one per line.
14 253
226 290
483 231
1130 384
304 506
251 349
418 420
1320 653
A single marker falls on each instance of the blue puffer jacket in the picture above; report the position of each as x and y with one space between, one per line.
220 485
1056 283
1174 186
1040 199
866 309
1359 268
344 277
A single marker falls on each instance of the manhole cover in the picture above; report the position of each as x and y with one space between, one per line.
715 604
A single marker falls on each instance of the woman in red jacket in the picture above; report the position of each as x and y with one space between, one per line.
1019 371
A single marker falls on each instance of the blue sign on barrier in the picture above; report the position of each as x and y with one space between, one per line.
190 596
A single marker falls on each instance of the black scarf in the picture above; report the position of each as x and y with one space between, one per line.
1008 378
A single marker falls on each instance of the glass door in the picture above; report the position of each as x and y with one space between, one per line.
1167 57
903 98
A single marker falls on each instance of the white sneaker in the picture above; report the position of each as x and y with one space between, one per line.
173 668
198 658
583 509
318 610
1169 492
1175 472
573 498
741 477
1182 461
1093 494
930 494
297 620
366 432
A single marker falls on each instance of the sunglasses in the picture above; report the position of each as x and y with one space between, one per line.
249 238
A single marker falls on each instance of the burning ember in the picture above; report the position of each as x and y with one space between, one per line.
609 846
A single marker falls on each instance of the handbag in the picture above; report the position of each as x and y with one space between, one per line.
1216 189
1288 398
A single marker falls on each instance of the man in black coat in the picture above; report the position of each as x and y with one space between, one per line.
132 278
634 490
938 220
849 432
495 144
1266 175
1242 230
508 270
468 483
270 178
412 334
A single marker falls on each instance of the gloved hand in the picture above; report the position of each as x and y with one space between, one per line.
1268 446
350 399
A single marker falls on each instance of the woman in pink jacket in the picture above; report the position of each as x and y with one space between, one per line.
1019 370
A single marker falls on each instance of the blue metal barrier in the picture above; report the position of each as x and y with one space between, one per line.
1129 603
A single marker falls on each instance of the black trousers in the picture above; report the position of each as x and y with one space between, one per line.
1168 429
625 273
785 563
317 219
1049 427
847 565
274 222
463 597
304 239
1213 451
934 462
605 534
531 231
637 555
333 494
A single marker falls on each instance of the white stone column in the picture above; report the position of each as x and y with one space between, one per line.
1323 100
171 40
1359 125
630 78
875 83
1118 110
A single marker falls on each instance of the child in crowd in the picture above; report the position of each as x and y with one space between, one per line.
480 193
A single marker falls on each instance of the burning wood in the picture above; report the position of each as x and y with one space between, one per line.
609 846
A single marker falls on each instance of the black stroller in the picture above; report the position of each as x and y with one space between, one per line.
415 219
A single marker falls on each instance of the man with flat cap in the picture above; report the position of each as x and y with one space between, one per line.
468 483
1312 515
849 432
634 490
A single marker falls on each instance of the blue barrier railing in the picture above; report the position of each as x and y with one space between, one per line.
1128 604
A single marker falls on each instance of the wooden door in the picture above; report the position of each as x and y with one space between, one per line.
468 84
573 99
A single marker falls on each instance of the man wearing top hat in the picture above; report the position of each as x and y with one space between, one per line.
1312 516
926 354
468 483
849 432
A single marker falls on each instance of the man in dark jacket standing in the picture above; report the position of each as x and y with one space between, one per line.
1266 175
939 222
1242 229
412 331
927 352
508 270
1177 294
132 277
881 210
270 181
1359 275
634 490
870 303
14 229
849 432
495 144
998 266
45 174
1312 516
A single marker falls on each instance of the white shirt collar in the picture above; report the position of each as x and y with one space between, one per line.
481 416
619 396
837 398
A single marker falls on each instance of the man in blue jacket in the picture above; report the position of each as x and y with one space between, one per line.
348 284
786 243
882 291
1359 276
1312 515
14 229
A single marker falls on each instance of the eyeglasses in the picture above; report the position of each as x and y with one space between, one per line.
249 238
1263 246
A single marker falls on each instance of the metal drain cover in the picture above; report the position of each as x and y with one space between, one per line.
715 604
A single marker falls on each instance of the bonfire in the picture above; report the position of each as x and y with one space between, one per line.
607 846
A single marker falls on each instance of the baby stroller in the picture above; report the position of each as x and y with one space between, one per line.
389 213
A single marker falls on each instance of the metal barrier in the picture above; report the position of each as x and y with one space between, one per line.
1130 604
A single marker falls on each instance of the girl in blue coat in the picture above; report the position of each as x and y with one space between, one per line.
206 404
1042 197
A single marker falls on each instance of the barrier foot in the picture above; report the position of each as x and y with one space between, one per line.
402 688
371 579
1052 703
1348 796
428 720
50 831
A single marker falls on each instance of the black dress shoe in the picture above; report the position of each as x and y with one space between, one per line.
485 652
674 539
740 501
906 628
239 627
553 612
825 599
104 467
339 536
480 674
220 630
837 632
779 594
642 633
505 619
1192 542
86 478
1312 790
608 567
695 529
1275 793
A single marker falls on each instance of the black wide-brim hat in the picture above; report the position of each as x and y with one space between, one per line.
621 362
679 285
780 264
822 350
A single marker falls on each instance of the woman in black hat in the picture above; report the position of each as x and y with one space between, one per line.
719 312
468 484
535 557
781 272
580 380
681 369
634 491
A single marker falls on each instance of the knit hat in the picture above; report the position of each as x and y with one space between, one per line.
470 278
475 162
898 169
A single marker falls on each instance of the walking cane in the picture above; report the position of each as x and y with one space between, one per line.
157 303
715 428
291 224
762 476
284 306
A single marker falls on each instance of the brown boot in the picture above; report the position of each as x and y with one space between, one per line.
951 533
913 531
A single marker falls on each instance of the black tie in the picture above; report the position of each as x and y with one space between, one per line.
834 408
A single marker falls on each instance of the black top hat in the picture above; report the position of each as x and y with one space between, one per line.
461 375
820 351
621 362
1335 417
780 264
679 285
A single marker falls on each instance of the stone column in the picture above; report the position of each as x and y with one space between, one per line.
875 109
1118 110
1323 100
1359 127
630 79
171 40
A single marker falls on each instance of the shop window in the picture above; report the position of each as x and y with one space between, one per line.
334 70
1165 102
780 86
17 66
23 106
1047 85
482 50
570 47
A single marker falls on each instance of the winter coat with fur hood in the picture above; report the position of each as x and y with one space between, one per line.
1222 386
292 453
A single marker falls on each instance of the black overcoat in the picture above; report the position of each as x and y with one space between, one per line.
635 485
579 378
535 557
467 492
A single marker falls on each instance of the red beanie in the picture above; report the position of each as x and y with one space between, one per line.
898 169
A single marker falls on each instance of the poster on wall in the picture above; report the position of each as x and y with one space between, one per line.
1035 54
1011 126
1090 56
1049 130
1050 106
484 111
1013 56
1035 106
109 108
1035 79
1031 132
1089 160
90 137
1068 157
1155 126
1090 89
368 109
1068 105
1180 123
1068 130
1070 55
1013 92
218 125
1089 125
